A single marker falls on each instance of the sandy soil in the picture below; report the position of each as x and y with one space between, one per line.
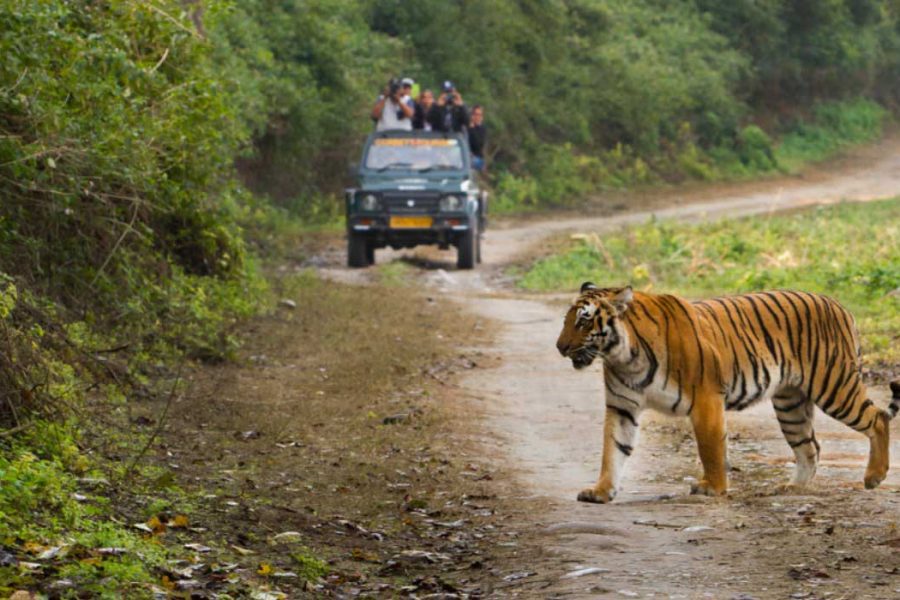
836 540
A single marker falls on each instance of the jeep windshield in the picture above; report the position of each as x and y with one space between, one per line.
417 154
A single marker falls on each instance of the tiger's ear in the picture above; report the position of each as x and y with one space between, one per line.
587 285
622 299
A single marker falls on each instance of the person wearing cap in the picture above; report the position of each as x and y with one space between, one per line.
391 110
406 90
449 111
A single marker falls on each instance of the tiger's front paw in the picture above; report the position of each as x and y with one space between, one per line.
873 479
596 496
705 488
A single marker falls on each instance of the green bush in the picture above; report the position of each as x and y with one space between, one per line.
117 136
754 148
836 125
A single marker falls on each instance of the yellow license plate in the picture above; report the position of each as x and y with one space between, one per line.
410 222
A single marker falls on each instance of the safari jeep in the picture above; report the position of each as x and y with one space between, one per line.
415 187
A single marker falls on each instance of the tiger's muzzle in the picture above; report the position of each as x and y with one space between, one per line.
581 357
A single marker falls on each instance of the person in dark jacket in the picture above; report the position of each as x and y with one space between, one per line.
477 137
449 111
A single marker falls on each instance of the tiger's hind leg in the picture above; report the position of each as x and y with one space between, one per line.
848 404
795 413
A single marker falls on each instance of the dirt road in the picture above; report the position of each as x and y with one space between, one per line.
834 541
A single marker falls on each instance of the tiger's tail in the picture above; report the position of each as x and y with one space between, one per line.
894 406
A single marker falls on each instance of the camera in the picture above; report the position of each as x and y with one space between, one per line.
393 87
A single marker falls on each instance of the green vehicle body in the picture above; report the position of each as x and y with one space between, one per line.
403 205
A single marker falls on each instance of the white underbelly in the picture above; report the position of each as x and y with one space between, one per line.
667 401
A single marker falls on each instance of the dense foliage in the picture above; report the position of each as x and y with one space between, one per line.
116 140
119 253
303 75
849 251
610 92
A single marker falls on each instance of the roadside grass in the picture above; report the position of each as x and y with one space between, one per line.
337 423
61 528
848 251
835 127
73 482
565 178
275 232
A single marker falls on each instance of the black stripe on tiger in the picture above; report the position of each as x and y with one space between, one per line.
624 448
623 413
894 408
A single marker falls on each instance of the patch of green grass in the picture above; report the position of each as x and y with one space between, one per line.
836 126
394 273
848 251
43 513
309 568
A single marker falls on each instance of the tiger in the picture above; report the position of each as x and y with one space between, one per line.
699 359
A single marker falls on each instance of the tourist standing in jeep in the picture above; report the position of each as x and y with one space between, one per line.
449 111
392 110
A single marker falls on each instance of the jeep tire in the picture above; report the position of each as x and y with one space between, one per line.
467 247
357 251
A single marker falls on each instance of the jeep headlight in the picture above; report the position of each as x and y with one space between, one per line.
449 203
369 202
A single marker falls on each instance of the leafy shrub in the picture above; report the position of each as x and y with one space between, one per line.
38 511
836 125
754 148
116 146
309 567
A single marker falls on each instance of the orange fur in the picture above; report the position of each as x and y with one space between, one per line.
701 358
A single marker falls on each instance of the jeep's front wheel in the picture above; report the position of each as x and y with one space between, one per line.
467 248
357 251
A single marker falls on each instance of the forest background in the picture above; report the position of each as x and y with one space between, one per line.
150 153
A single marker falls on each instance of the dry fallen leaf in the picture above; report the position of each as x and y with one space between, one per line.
179 522
34 548
156 526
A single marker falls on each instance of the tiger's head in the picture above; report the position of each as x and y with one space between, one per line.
593 326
